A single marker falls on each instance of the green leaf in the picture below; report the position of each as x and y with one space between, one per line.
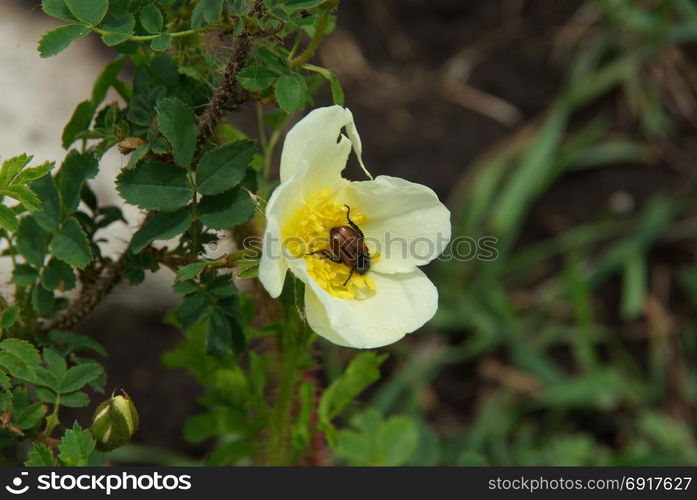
161 226
5 382
237 6
212 10
231 452
40 456
49 215
22 349
69 342
227 420
374 441
45 379
58 9
43 301
155 186
11 168
75 399
16 367
29 417
178 125
272 60
32 241
58 39
24 275
88 11
223 334
197 15
226 210
291 92
334 84
31 174
9 316
397 440
19 358
634 285
106 79
8 219
191 309
190 271
79 376
58 275
71 245
24 195
151 18
209 11
161 43
79 122
118 30
76 446
302 4
184 287
55 363
221 286
223 167
137 155
256 78
76 169
361 372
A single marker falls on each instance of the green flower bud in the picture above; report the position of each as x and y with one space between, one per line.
114 423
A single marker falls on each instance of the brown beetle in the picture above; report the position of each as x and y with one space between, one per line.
347 247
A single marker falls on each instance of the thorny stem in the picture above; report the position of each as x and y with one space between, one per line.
229 94
294 352
90 296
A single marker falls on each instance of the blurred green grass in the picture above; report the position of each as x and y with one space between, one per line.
577 345
578 348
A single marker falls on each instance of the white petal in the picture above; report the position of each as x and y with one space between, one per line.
319 321
402 303
355 139
285 200
405 222
318 141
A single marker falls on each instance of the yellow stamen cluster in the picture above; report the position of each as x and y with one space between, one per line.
308 231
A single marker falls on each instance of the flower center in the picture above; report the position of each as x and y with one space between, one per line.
308 230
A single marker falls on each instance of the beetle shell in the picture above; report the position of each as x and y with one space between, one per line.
349 246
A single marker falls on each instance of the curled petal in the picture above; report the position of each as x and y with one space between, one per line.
317 140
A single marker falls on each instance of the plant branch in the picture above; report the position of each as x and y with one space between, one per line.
90 296
146 38
229 93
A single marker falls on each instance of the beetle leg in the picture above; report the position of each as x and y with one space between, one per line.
327 255
349 276
351 223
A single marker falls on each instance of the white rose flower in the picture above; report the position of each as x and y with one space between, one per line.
404 224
